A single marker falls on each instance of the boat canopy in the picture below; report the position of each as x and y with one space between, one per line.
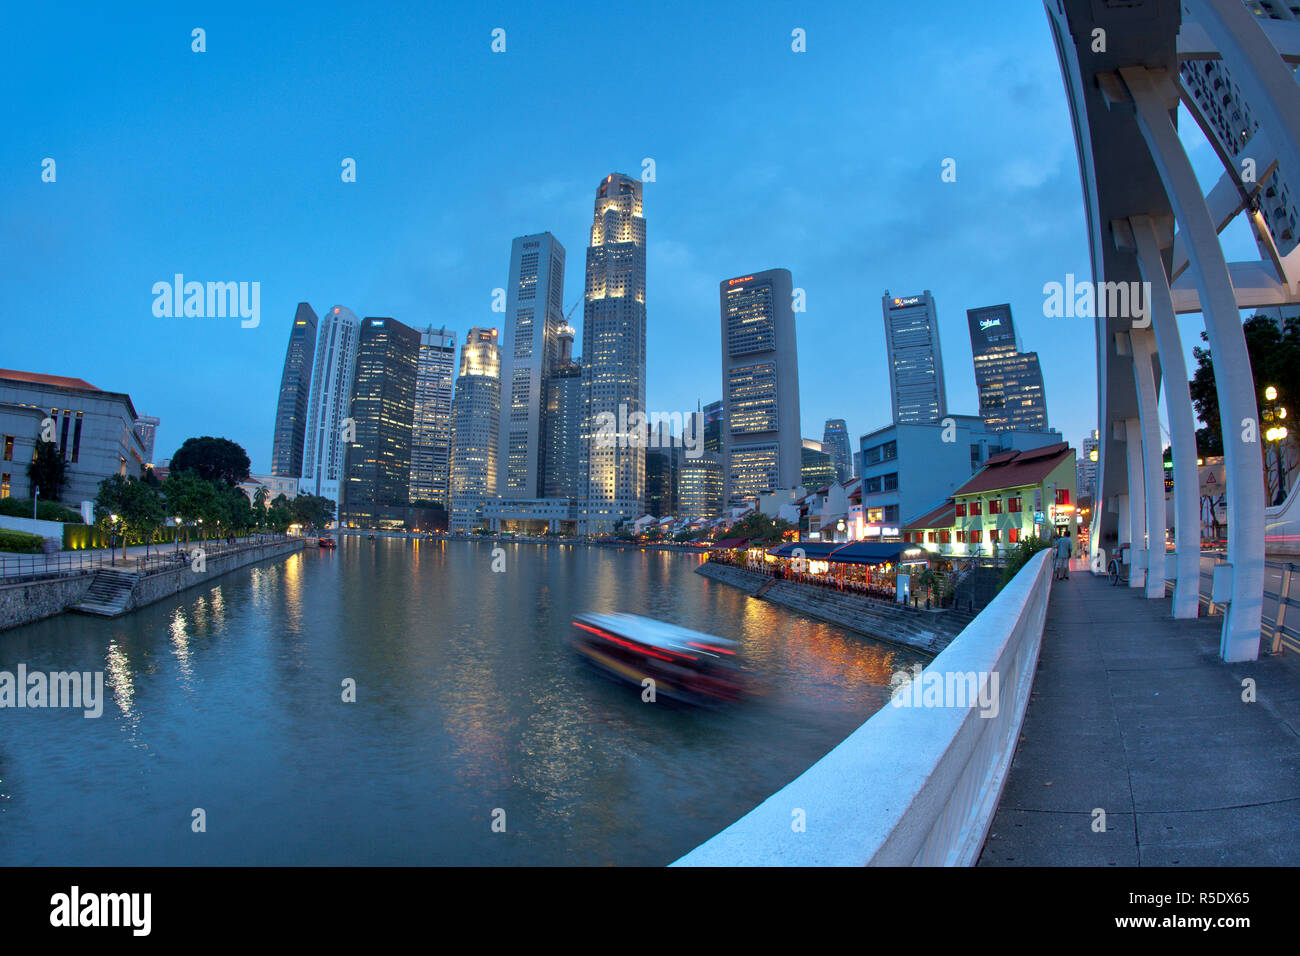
652 633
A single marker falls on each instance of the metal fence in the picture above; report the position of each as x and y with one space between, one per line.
1285 636
19 568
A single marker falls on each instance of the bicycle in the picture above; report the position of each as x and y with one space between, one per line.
1119 567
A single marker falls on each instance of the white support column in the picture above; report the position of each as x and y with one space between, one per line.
1137 510
1182 421
1243 461
1142 344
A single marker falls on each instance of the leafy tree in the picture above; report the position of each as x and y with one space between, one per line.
48 471
214 459
312 511
760 528
129 507
1274 360
189 497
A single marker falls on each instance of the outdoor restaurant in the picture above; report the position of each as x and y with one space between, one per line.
872 568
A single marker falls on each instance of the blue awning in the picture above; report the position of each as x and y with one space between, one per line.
813 550
879 552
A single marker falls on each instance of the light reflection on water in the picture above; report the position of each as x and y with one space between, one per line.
469 700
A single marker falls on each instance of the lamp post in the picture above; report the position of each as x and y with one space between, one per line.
178 534
1274 415
112 540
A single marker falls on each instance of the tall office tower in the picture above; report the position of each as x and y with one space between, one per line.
661 476
713 427
529 353
431 429
916 387
331 404
562 450
614 354
1086 472
378 461
816 465
1232 124
835 436
760 385
295 394
475 424
1009 381
146 426
699 486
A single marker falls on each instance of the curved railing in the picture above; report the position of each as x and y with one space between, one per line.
919 782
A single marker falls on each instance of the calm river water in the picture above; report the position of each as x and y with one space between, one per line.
228 698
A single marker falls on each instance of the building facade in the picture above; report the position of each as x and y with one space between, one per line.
378 461
562 451
530 351
817 465
916 386
1009 381
760 385
614 354
332 381
435 378
1087 466
908 470
94 431
699 487
295 395
475 423
146 426
713 418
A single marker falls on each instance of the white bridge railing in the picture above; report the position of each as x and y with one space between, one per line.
914 785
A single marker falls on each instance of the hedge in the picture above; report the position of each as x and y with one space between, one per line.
80 537
20 541
45 510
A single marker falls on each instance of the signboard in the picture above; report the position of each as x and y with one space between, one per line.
1039 517
904 303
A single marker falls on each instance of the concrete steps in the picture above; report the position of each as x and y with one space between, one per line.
109 593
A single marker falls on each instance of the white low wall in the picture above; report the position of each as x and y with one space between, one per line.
913 785
46 529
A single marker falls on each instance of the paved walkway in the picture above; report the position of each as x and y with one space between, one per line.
1133 713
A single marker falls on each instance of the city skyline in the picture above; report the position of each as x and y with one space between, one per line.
405 250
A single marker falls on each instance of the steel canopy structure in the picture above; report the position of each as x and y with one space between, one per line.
1152 228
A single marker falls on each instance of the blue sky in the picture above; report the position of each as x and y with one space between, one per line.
225 166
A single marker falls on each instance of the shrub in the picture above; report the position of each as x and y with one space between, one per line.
45 510
20 542
1019 556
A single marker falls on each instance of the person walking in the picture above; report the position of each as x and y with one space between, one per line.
1064 549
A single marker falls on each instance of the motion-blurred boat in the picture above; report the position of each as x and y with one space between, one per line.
325 541
685 665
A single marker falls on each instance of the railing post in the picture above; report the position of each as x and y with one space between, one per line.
1283 595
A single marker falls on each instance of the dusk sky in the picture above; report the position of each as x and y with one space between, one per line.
225 166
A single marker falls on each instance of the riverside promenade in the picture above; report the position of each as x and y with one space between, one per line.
1132 713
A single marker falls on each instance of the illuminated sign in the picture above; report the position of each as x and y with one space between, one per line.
904 303
734 281
989 323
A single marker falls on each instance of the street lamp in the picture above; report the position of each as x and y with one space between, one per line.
1274 415
112 540
178 534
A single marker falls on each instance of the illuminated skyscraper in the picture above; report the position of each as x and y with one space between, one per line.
916 387
529 355
475 422
431 431
1009 381
614 354
331 399
295 395
375 494
835 437
760 385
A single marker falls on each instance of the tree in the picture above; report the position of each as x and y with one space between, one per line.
47 471
213 459
189 497
1274 360
759 527
312 511
129 506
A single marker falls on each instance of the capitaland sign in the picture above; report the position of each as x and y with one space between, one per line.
986 324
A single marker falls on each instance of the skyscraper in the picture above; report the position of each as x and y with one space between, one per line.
431 430
331 401
614 354
760 385
661 473
146 427
295 395
835 436
1086 471
563 424
699 486
375 493
529 354
475 424
816 465
713 427
916 387
1009 381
